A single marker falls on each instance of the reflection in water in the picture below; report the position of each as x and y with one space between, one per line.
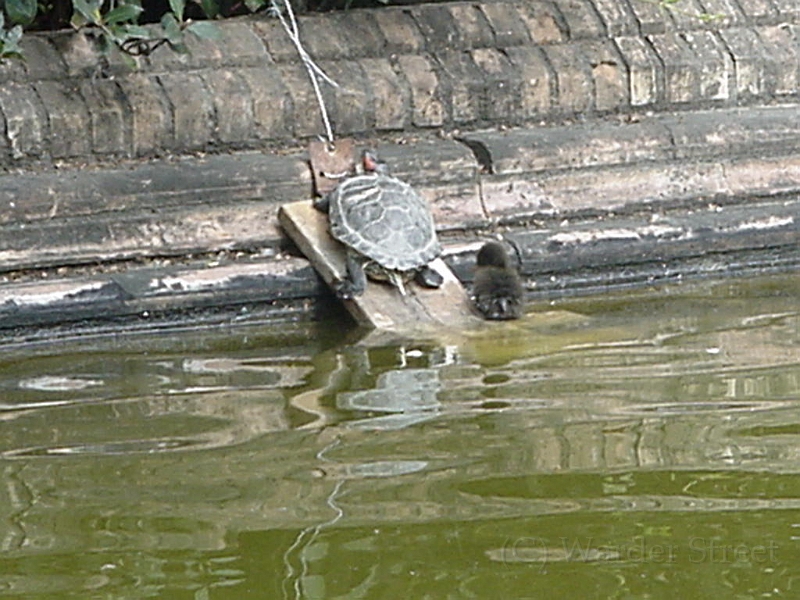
397 390
641 445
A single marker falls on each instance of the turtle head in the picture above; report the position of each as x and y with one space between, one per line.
373 164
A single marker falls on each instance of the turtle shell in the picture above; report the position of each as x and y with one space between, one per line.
384 219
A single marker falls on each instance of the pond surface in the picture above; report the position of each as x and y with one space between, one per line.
637 445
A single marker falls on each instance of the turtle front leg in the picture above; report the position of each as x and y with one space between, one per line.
428 277
322 203
355 282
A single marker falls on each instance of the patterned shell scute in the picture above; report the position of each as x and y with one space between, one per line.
384 219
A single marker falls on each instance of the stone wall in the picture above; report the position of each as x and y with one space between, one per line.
459 65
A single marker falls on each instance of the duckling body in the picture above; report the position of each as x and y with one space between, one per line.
497 289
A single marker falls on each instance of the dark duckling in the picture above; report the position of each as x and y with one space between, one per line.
497 289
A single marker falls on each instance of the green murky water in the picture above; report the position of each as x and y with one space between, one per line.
644 445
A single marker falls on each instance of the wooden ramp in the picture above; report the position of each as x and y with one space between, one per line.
381 306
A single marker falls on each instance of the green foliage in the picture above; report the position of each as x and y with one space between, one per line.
21 12
9 40
115 23
210 8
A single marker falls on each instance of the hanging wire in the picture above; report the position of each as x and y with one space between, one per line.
314 72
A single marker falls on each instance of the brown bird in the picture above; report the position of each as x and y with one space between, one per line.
497 289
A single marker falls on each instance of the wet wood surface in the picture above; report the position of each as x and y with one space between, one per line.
381 306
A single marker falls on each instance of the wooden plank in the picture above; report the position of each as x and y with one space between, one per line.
381 306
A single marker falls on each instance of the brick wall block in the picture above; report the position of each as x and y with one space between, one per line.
233 105
192 109
119 64
610 75
322 40
725 13
717 75
437 26
42 60
537 82
151 118
759 11
617 17
506 23
400 31
240 42
68 118
306 118
352 108
788 9
582 20
26 120
502 100
574 83
391 97
78 52
681 68
687 15
544 23
645 71
109 115
361 35
12 70
652 18
272 35
464 84
202 53
748 62
428 108
474 28
783 56
272 103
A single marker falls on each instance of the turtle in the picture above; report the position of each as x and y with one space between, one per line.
497 289
387 228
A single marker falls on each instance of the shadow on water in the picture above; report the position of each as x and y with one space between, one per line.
635 445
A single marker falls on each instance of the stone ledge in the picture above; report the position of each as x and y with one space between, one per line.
191 206
230 202
616 165
628 188
430 66
667 237
564 257
145 291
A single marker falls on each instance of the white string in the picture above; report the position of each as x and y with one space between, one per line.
314 72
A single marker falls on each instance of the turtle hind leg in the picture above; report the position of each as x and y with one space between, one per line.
355 282
322 203
429 277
